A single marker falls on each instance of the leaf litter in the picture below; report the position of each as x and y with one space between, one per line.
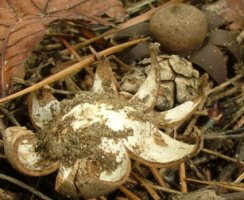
23 24
228 94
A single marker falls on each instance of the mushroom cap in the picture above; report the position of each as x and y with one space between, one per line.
179 28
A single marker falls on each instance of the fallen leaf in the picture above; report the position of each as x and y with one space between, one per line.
23 24
223 38
231 10
139 51
211 59
135 31
214 20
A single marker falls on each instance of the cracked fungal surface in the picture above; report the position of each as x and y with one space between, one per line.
91 138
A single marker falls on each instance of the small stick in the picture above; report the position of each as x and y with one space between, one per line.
156 187
195 118
127 67
128 193
221 95
204 159
195 170
223 85
238 114
157 176
227 185
239 178
25 186
138 6
150 190
71 70
221 156
36 186
182 171
239 123
9 116
74 52
145 16
219 137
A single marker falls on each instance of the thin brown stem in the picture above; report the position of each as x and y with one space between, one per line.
221 156
150 190
157 176
74 52
128 193
182 171
228 185
25 186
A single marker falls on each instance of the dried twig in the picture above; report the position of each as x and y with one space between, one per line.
227 185
138 6
25 186
238 114
9 116
77 56
128 193
239 178
157 176
160 188
156 187
223 85
150 190
182 171
221 156
230 134
194 168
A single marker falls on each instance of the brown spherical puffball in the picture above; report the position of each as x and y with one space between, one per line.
180 28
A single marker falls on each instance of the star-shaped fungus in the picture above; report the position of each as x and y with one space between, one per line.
90 139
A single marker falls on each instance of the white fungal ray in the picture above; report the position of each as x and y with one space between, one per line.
148 91
86 176
104 80
178 114
19 147
156 148
117 149
42 108
65 180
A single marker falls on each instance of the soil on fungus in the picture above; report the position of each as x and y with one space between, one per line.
59 142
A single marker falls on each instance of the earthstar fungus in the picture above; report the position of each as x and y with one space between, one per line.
89 139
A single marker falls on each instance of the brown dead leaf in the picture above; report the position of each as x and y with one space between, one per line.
23 23
211 59
231 10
